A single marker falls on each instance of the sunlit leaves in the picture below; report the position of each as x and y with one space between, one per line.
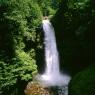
21 17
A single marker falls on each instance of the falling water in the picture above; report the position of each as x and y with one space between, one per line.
51 53
52 75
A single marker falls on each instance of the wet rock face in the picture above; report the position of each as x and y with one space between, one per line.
36 89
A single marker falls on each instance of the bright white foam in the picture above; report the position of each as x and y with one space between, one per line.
56 80
52 75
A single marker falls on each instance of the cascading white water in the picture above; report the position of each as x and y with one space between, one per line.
51 53
52 75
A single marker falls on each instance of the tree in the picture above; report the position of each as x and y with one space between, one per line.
18 22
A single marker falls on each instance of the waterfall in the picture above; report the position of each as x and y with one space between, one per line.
52 75
51 53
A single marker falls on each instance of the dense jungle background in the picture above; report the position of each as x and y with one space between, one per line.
22 48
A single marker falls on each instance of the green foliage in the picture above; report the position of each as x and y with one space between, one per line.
74 25
83 82
19 20
51 11
79 4
49 7
28 67
7 77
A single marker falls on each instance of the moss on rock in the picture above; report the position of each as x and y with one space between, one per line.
83 83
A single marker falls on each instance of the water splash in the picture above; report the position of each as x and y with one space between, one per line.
52 75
